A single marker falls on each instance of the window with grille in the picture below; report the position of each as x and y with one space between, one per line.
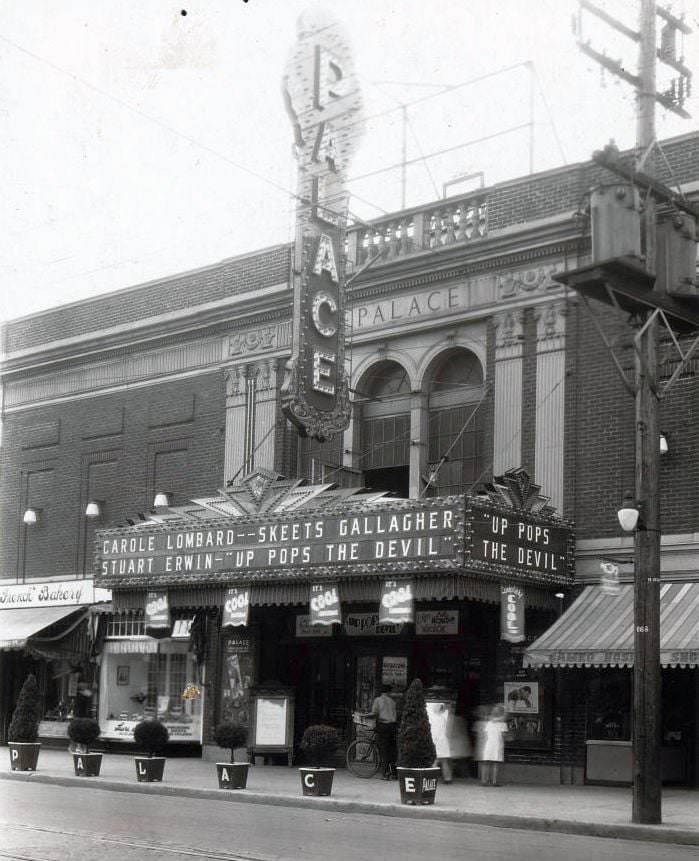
456 418
466 460
384 396
167 678
126 625
386 442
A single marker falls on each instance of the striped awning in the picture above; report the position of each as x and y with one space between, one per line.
597 630
18 625
438 587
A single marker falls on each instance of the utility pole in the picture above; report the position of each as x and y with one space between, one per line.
622 279
646 805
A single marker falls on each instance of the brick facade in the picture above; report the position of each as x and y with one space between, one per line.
120 449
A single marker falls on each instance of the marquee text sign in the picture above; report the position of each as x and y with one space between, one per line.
507 538
387 537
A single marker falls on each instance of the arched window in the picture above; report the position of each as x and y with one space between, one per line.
455 387
383 399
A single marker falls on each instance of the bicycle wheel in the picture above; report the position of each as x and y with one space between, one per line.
363 758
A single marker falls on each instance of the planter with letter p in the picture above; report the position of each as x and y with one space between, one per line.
24 755
316 781
417 785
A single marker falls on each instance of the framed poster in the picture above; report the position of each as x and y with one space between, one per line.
521 697
272 725
237 677
529 715
122 675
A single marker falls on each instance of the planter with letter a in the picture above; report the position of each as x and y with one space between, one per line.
87 764
417 785
232 775
149 769
317 781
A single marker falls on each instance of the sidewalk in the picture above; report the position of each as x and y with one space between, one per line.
591 810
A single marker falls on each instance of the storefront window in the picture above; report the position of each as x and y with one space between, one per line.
609 706
139 682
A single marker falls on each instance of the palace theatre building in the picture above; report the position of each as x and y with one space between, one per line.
327 594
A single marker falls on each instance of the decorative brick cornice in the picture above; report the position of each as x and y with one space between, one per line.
392 286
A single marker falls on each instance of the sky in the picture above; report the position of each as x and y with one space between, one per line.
138 141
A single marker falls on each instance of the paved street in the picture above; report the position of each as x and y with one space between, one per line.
51 823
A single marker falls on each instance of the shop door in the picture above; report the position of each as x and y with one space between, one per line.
322 681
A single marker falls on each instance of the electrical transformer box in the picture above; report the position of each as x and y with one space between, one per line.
616 222
676 256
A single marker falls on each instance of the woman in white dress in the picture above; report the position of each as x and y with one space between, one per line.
490 749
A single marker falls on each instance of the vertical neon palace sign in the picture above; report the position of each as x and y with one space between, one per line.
324 104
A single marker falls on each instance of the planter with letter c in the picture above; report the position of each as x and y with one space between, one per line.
417 785
316 781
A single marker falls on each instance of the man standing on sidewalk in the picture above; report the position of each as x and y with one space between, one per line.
384 710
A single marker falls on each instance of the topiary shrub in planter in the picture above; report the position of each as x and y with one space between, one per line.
24 727
417 773
151 735
231 775
319 742
84 732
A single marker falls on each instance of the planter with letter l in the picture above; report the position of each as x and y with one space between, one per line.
152 736
316 781
149 769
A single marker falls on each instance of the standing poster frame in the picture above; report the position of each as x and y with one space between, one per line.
271 733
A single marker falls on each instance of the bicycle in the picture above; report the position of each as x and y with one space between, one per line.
363 756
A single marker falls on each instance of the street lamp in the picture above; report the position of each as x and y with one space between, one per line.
629 514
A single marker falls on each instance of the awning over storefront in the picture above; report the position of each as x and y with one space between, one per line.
597 630
438 587
17 625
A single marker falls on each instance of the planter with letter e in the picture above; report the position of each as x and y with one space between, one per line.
150 735
24 728
417 773
83 732
232 775
319 743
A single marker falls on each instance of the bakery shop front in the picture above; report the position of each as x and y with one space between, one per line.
326 594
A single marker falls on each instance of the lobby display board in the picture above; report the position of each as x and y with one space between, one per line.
272 723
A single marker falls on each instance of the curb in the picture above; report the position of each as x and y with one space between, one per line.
646 833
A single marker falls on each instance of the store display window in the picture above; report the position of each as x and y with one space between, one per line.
609 706
146 678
